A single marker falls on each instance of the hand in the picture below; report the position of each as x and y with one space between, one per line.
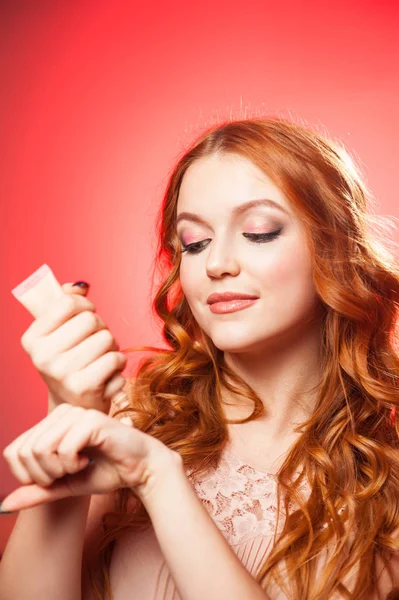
75 353
51 460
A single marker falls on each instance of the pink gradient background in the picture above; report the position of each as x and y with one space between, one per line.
98 99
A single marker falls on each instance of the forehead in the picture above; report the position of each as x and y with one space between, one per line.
221 182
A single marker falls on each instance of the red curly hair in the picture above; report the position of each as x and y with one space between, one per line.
348 448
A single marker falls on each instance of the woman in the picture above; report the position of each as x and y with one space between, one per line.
278 392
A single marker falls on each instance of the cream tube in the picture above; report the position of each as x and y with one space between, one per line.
36 292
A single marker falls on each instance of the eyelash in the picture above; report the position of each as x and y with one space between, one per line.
256 238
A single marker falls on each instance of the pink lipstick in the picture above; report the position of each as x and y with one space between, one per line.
227 302
231 306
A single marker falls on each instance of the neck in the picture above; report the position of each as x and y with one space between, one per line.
283 375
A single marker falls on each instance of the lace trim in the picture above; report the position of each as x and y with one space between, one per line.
240 499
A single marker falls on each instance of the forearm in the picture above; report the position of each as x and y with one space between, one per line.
43 556
201 562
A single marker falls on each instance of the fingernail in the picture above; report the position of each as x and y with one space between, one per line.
82 284
6 512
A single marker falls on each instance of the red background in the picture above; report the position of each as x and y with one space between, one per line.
98 99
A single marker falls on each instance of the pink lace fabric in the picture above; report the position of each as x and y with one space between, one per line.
241 501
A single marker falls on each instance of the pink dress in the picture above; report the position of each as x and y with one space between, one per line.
242 503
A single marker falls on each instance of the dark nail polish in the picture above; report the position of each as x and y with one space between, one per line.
82 284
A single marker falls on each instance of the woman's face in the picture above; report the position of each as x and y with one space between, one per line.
227 247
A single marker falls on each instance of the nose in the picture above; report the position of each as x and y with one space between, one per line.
221 260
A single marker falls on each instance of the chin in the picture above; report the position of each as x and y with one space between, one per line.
230 349
248 341
237 344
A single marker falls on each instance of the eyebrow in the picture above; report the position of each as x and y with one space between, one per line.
238 210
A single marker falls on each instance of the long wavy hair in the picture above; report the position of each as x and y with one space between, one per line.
348 448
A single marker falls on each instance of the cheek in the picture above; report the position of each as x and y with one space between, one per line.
188 279
285 276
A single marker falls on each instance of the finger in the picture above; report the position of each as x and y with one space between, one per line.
85 432
59 311
72 288
73 332
11 452
32 495
28 456
80 356
94 376
43 461
114 385
119 402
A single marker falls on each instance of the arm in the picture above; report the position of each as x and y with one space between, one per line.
46 547
201 562
43 555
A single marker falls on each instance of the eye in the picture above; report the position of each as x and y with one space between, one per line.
194 248
259 238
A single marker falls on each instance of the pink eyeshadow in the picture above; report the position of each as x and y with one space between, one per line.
190 239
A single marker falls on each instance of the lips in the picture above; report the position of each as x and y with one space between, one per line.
228 296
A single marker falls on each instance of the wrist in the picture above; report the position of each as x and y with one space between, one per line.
163 465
